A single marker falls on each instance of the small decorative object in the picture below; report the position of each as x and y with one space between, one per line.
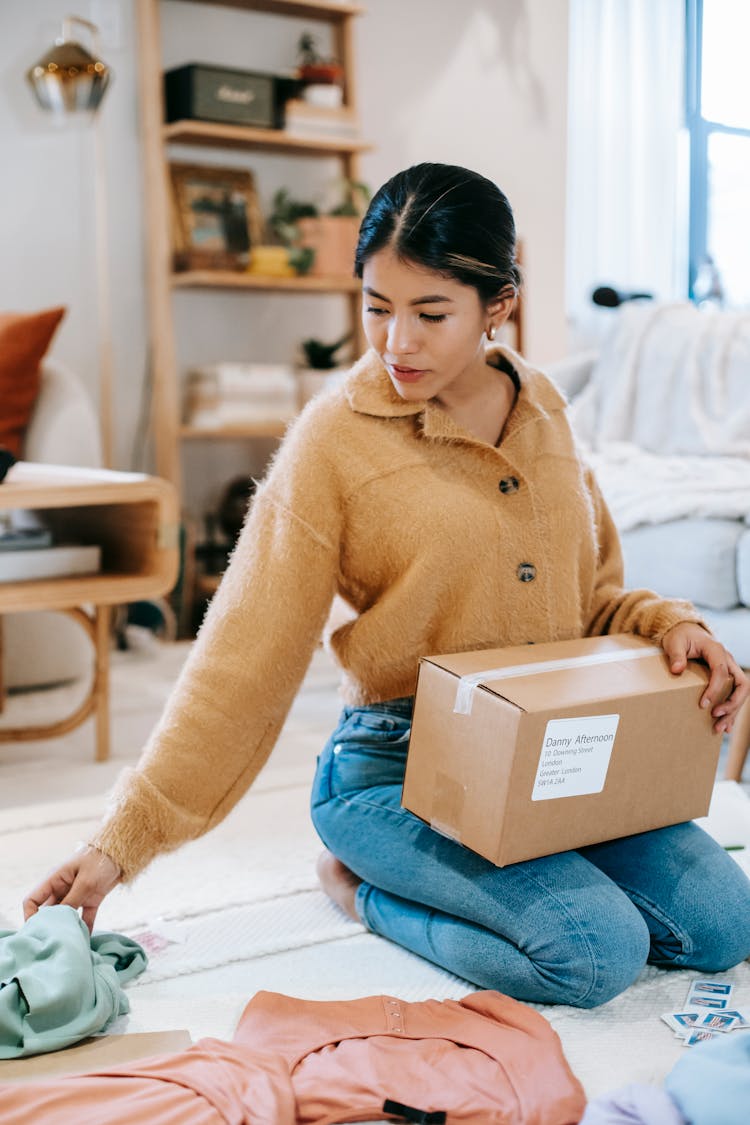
217 217
271 261
314 69
203 92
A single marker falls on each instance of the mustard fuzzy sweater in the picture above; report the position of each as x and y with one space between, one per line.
440 542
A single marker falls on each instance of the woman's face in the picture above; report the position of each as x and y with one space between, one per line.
427 329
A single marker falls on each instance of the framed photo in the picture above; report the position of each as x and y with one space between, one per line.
217 217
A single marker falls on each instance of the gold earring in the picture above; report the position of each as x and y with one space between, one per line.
491 332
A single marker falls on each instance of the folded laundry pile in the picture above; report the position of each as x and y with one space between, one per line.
484 1059
58 984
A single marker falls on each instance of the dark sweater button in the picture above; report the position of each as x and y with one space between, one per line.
526 572
508 484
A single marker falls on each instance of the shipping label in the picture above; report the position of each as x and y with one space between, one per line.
575 755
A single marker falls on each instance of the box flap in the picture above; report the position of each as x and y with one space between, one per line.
534 676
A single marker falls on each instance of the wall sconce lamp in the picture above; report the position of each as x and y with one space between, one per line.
70 80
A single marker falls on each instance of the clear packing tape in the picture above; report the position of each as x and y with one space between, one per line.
469 683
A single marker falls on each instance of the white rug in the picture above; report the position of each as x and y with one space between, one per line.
241 906
241 911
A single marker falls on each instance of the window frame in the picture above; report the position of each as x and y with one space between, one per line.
699 130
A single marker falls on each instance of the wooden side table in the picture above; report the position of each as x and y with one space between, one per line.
134 519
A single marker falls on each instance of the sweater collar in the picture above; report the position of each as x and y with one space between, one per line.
369 390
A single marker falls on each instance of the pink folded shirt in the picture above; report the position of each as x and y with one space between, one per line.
486 1059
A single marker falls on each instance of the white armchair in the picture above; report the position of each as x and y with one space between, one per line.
43 648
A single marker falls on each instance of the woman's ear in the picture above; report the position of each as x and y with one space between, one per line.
499 308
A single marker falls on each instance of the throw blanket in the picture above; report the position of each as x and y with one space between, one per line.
671 379
641 487
665 417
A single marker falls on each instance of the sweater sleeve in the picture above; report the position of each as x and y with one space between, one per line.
613 609
245 667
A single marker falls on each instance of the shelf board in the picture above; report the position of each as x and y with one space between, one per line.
234 433
62 591
306 9
235 279
213 133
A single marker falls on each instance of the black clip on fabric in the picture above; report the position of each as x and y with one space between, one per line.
418 1116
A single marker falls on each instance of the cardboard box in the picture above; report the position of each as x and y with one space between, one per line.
527 751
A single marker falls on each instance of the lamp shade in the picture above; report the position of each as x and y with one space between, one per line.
69 79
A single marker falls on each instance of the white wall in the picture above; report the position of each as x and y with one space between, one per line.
482 83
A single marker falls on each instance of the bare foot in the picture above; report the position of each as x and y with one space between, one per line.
338 882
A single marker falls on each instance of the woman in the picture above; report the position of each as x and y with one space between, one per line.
440 492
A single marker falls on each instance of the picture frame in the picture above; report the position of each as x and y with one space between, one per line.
216 216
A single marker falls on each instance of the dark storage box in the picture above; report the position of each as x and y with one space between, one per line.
236 97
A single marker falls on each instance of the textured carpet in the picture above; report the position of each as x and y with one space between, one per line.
240 908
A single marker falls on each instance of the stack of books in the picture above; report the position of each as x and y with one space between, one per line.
233 394
306 120
28 553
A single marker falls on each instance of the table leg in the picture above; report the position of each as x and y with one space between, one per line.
102 621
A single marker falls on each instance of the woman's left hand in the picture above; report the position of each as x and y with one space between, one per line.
688 641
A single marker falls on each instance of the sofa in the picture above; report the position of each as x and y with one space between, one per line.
44 648
662 411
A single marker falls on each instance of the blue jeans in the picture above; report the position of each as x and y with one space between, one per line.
574 928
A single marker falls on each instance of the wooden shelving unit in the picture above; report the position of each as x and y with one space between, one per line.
162 281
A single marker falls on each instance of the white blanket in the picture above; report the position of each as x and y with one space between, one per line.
665 416
671 379
642 487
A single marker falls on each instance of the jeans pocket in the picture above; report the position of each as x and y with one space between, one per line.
368 748
361 725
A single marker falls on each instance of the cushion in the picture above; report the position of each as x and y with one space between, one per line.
695 559
24 339
732 627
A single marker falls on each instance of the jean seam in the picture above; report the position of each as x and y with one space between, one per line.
592 959
682 936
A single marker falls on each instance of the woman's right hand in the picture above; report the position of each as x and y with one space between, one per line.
83 880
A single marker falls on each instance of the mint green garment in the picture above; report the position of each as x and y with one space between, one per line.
58 984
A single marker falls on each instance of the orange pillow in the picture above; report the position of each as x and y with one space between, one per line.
24 338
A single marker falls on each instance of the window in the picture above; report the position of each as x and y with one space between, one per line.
718 121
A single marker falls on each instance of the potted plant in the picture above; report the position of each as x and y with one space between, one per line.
322 368
333 234
283 222
312 68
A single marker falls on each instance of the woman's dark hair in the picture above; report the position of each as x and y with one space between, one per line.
447 219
